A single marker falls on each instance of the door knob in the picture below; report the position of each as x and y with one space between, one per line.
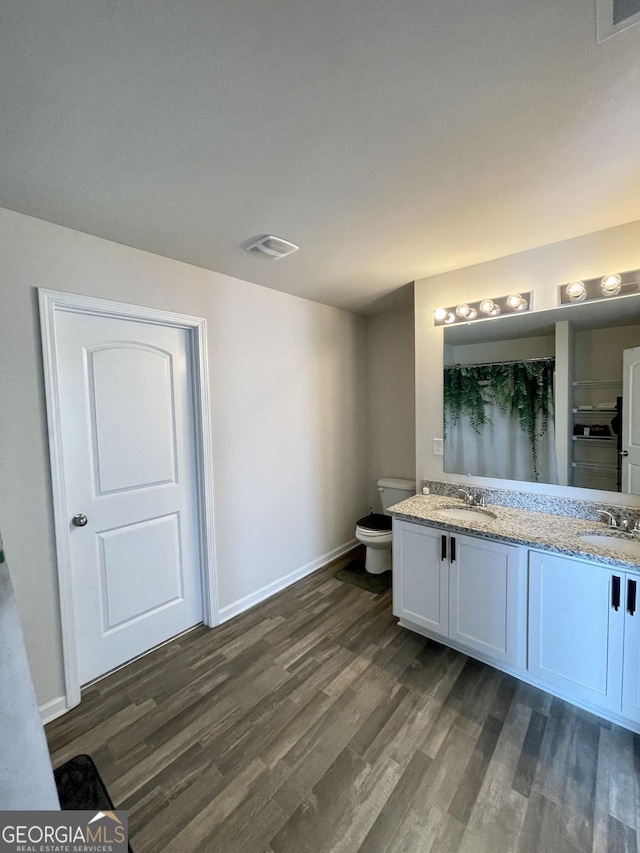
79 520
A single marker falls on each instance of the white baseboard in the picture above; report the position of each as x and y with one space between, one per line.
52 710
237 607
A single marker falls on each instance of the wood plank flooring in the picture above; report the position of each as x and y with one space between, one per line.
313 723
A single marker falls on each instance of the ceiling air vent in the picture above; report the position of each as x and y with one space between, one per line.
272 247
615 15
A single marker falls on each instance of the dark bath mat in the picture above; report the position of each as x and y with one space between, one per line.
80 786
356 574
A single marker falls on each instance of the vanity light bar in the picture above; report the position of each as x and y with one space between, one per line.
607 287
465 312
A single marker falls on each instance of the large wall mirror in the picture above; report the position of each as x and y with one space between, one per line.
548 397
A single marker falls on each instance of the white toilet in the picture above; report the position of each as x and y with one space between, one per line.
374 530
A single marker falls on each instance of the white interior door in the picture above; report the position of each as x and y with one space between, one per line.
128 443
631 421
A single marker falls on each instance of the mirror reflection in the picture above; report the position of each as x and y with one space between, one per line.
548 397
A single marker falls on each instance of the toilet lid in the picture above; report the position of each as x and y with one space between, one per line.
375 521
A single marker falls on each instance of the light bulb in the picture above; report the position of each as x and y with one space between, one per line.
487 306
495 310
439 314
472 314
463 310
576 291
517 302
611 285
450 318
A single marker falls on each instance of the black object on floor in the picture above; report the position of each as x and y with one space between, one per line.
356 574
80 786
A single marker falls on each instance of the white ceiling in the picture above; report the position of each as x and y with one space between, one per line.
389 139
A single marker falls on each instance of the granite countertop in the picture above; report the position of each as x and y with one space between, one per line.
540 530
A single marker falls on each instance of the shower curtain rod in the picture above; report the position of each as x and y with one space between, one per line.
502 363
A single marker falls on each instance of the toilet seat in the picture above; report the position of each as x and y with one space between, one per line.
375 524
372 534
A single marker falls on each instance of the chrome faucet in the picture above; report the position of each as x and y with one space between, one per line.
610 518
471 500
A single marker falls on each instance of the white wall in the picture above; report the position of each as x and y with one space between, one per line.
289 413
391 398
540 270
599 354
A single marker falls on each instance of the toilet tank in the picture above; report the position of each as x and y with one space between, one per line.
393 490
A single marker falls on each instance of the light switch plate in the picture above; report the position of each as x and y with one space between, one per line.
438 447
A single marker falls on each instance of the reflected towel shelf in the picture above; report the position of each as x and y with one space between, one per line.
593 467
597 383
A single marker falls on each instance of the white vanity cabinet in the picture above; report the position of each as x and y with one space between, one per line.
465 589
569 625
584 632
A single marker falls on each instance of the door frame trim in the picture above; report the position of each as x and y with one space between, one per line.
50 302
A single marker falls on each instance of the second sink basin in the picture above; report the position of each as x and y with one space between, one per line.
466 513
620 543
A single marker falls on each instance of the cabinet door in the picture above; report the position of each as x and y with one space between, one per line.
631 666
575 630
487 596
420 575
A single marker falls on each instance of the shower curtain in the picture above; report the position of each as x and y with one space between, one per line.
493 443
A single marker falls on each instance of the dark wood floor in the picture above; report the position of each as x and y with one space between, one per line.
313 723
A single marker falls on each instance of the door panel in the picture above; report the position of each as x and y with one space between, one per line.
487 596
420 577
123 456
129 463
631 670
575 632
141 570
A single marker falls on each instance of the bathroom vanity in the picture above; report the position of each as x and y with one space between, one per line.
550 599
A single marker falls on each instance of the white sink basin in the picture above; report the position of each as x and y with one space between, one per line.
466 513
620 543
